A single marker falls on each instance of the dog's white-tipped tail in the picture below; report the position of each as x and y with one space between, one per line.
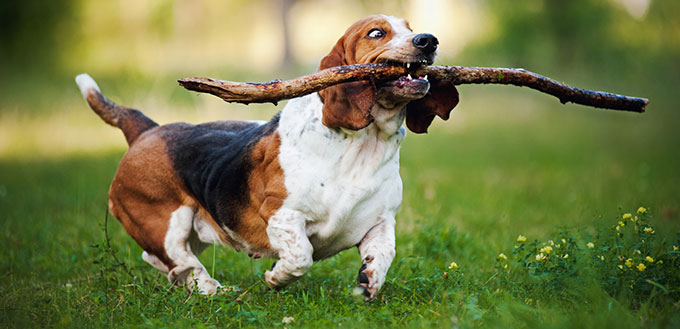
132 122
86 83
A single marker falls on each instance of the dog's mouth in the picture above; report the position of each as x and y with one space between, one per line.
412 85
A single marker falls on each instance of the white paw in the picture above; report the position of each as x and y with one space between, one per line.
208 286
271 281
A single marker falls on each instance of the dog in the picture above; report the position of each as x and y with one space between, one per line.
320 177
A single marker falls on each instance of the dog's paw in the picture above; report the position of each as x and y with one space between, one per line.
272 282
365 286
362 292
207 286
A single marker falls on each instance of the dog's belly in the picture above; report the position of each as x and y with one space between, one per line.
341 212
329 237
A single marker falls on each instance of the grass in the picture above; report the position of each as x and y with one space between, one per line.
471 187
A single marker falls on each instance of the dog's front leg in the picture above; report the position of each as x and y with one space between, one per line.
287 236
377 251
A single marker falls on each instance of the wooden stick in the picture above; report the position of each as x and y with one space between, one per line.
277 90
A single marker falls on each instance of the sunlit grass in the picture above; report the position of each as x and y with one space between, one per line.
497 170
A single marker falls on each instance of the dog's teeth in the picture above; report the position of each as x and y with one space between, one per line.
409 77
425 77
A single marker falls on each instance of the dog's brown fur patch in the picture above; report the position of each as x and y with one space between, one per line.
143 199
267 192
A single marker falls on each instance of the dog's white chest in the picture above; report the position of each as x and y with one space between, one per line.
344 185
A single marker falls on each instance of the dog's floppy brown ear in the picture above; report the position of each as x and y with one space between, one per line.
440 100
349 104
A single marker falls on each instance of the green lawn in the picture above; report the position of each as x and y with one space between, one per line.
503 167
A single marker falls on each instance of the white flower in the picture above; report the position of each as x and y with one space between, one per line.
288 319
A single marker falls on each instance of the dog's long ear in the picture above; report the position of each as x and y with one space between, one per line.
440 100
349 104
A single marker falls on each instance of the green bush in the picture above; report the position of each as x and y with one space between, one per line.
626 259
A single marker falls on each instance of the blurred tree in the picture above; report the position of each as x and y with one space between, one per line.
554 32
33 32
592 34
288 59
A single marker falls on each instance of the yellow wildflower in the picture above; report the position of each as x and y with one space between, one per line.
622 224
642 210
637 252
618 228
453 266
601 258
649 230
675 248
502 256
565 256
659 262
546 249
634 219
626 216
564 241
649 259
540 257
590 245
620 266
629 262
550 242
641 267
505 266
521 238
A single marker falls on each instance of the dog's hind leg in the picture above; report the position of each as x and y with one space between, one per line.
155 262
179 240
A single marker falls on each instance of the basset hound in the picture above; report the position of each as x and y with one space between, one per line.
320 177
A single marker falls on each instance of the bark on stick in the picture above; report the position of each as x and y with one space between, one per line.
277 90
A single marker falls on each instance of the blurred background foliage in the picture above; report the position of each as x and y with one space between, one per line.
509 161
137 49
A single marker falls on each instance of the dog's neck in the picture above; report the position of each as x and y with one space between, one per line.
389 114
301 128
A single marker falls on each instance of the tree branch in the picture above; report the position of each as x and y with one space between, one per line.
277 90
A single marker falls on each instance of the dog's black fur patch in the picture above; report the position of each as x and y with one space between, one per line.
212 160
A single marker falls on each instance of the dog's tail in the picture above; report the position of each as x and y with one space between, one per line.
132 122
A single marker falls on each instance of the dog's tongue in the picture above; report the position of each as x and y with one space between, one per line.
408 80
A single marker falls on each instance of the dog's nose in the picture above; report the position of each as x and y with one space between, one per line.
426 42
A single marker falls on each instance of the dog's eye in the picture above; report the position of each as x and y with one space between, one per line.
376 33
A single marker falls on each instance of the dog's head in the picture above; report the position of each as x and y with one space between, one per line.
385 39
